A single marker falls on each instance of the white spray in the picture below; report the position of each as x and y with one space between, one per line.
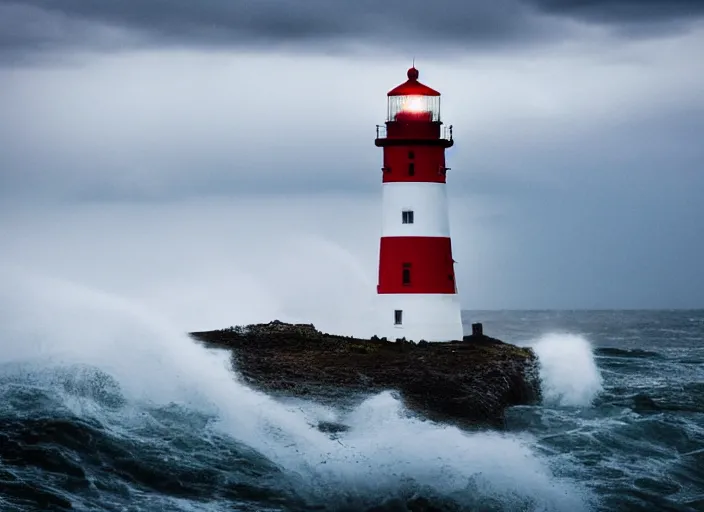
51 324
568 372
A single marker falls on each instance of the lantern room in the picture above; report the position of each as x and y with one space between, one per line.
413 117
413 101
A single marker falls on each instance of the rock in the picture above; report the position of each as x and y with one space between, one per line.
469 382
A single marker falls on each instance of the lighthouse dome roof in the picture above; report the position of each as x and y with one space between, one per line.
412 87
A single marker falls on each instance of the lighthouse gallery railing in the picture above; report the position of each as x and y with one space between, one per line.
445 132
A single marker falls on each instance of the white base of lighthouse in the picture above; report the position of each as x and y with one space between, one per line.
429 317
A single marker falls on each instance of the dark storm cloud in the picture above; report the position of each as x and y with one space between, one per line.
625 11
35 25
237 22
629 18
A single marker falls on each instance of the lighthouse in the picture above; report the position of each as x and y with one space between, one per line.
417 292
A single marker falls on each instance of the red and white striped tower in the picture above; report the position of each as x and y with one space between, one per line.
417 291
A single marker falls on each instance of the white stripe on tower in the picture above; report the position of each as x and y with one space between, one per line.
415 209
426 316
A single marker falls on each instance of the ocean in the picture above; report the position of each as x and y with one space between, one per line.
102 407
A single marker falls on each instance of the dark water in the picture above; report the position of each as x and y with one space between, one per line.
640 446
125 415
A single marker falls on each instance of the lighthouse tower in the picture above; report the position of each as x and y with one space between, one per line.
417 293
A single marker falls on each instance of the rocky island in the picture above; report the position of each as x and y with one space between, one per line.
468 382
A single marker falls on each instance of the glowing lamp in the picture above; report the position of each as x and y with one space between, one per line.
413 101
414 104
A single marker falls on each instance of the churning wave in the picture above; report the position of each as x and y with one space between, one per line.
568 372
105 404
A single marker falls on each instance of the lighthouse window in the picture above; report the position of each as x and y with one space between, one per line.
398 317
406 276
407 217
411 155
411 169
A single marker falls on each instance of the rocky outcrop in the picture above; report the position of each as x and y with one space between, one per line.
468 382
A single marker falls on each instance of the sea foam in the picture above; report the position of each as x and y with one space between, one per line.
49 324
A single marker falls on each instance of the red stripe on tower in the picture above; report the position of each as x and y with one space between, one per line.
417 291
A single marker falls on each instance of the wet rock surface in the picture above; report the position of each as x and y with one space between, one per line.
469 382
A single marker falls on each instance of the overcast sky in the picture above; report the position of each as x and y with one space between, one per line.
216 159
